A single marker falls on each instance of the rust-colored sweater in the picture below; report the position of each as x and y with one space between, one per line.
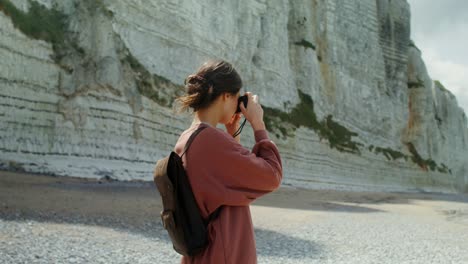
222 172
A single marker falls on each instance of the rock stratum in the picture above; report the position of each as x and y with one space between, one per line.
87 88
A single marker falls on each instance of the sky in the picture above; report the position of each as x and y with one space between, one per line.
439 29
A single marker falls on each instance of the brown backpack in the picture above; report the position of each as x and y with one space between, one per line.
180 215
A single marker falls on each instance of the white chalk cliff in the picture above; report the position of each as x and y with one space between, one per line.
87 88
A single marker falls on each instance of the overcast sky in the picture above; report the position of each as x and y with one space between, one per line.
439 29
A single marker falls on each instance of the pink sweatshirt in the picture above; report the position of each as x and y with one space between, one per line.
222 172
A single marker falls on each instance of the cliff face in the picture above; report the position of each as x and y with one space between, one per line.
87 90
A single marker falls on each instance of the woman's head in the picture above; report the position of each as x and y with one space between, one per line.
213 81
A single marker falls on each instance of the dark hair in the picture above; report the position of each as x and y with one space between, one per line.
212 79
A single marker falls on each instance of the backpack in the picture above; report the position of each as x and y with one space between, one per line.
180 215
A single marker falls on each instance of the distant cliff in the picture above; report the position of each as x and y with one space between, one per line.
87 88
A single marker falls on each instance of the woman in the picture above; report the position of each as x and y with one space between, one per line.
220 170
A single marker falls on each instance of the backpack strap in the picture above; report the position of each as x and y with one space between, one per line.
192 137
213 215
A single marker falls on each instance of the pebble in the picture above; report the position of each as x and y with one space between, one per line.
340 237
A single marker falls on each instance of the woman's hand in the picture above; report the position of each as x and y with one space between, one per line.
254 112
234 125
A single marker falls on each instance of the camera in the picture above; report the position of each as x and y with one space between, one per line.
243 99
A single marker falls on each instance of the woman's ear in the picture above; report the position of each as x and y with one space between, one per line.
225 96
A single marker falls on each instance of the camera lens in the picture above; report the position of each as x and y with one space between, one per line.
242 99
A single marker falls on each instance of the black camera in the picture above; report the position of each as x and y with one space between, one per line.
243 99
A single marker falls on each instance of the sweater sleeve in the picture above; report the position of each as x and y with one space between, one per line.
233 175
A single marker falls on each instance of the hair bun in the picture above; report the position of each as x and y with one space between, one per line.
212 79
197 84
194 78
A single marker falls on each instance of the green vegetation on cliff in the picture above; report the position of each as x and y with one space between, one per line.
305 44
152 85
439 85
416 84
39 22
390 154
425 164
338 136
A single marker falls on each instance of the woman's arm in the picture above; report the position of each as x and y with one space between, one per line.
232 174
